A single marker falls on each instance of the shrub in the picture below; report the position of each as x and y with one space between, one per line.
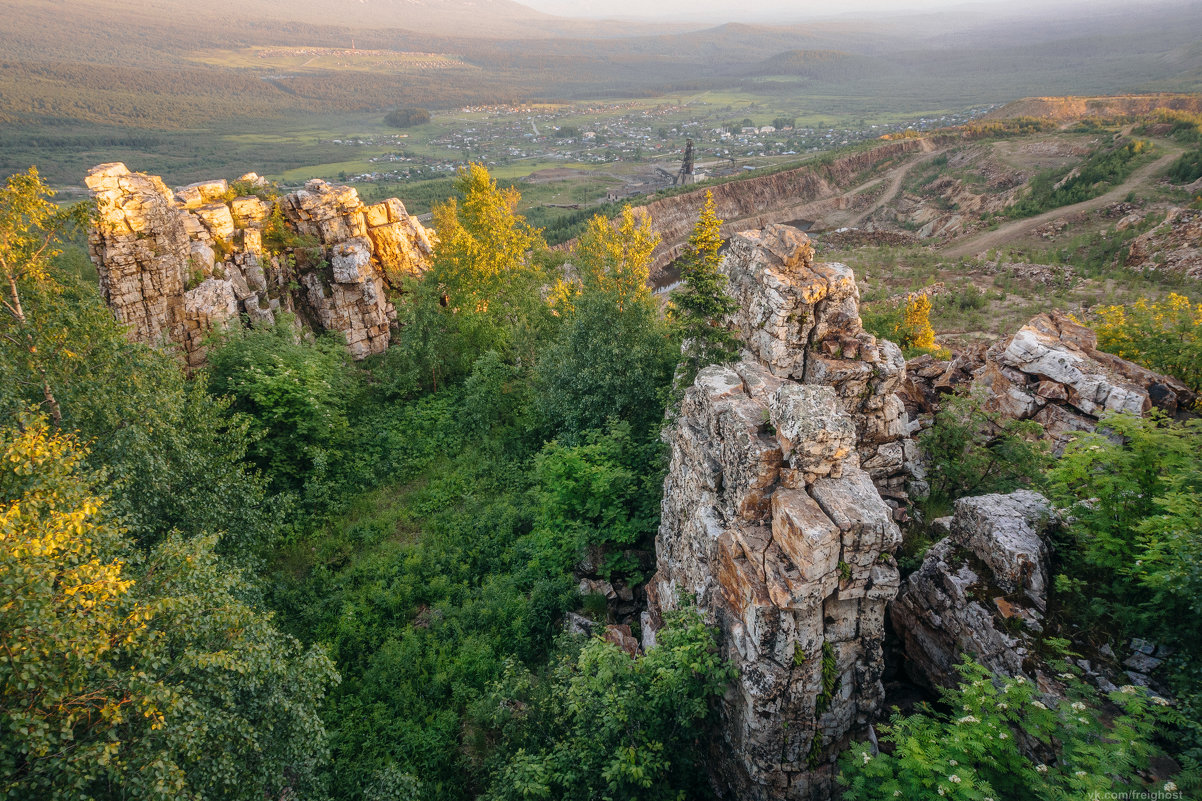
972 451
907 323
608 725
1163 335
973 751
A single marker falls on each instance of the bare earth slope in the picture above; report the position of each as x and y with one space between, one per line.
1020 228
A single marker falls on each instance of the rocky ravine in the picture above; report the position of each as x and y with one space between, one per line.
772 523
175 264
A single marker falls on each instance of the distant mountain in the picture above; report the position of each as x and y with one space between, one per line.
489 18
442 17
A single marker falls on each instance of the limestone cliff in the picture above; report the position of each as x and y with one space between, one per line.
175 264
771 523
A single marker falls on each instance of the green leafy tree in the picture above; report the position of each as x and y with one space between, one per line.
484 289
173 455
974 751
973 451
611 725
702 305
612 359
128 676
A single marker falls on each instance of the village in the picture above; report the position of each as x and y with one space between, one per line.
641 143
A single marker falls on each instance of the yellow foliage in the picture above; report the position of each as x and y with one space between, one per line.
916 323
616 256
483 241
1163 335
66 602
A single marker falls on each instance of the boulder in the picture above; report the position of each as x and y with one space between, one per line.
981 591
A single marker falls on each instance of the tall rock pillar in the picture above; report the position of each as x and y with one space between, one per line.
772 523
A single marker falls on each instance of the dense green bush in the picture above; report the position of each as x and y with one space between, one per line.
604 724
975 750
602 492
1188 168
973 451
295 394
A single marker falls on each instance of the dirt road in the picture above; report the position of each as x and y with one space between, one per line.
895 185
1020 228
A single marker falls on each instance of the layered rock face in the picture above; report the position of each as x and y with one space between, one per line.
801 319
773 527
175 264
982 590
1052 372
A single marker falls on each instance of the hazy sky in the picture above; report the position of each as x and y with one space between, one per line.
735 10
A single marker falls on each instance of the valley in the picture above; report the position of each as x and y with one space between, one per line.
466 400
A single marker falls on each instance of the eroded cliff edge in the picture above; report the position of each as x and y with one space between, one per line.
772 523
174 264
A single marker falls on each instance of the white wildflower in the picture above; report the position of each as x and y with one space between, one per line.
1003 736
941 790
954 779
1170 787
1067 676
968 719
1156 699
865 756
1079 774
1041 768
1020 680
896 793
1003 706
1128 689
1078 706
953 762
1039 704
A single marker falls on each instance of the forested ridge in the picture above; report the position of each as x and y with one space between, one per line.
292 575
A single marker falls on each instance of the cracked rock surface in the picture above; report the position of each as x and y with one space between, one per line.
980 591
175 264
774 523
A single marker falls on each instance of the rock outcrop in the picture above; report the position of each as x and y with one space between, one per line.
1174 246
175 264
801 319
980 591
772 525
1052 372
